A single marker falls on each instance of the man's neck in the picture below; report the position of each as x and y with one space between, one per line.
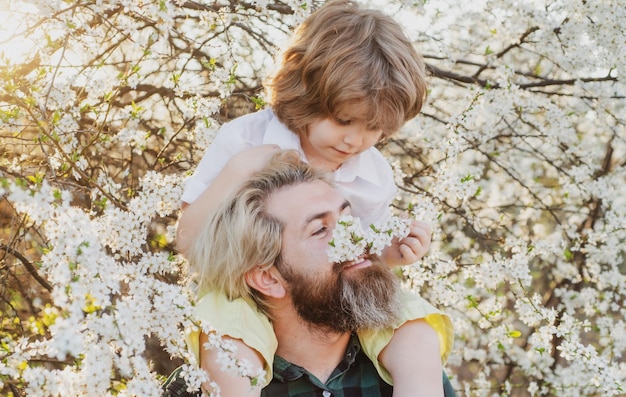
319 351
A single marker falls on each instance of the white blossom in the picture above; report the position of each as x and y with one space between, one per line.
350 240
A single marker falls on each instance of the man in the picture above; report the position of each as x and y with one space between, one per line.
269 243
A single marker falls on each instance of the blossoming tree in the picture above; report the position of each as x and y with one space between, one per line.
518 160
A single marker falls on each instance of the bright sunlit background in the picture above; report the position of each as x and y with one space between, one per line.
14 45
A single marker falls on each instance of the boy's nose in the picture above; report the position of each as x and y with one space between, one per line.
353 138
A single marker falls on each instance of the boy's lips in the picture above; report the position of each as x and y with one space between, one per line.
343 153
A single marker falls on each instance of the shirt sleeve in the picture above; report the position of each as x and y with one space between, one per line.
232 138
238 319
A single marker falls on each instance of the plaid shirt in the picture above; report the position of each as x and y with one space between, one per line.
355 376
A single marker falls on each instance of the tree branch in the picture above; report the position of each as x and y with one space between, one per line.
27 264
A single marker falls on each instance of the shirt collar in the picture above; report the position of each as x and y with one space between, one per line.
278 134
361 166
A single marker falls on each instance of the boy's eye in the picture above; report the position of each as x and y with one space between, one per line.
320 231
343 122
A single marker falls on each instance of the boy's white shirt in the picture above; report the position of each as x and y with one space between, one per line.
365 180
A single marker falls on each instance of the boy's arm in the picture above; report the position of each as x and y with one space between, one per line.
230 385
236 171
411 248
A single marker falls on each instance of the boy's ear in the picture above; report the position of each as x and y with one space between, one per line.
266 280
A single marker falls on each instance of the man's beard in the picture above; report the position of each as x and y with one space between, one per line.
365 299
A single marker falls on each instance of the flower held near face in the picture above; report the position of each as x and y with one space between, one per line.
350 241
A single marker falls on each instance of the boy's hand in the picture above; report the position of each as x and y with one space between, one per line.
237 170
411 248
250 161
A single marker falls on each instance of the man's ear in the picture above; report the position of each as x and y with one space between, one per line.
266 280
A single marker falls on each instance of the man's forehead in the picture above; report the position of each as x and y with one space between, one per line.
296 203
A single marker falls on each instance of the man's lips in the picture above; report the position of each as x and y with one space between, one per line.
359 263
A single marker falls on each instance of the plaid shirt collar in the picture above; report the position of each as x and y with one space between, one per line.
284 371
355 376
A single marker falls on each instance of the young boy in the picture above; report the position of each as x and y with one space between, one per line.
349 78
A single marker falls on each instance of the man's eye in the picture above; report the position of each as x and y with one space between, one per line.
320 231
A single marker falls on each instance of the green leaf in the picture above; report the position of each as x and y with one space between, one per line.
515 333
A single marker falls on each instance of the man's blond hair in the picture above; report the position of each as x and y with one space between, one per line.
242 234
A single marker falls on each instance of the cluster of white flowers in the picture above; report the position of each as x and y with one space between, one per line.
351 241
98 297
226 356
